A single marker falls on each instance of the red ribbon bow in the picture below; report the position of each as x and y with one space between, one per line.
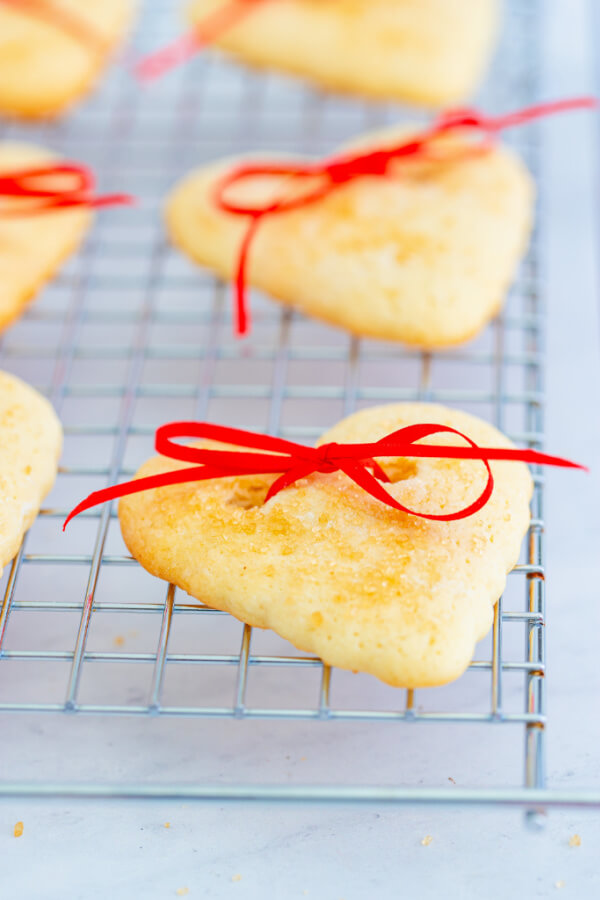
204 34
294 461
336 171
64 19
32 184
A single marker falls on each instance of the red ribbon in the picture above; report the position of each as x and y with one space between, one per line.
337 171
294 461
204 34
31 184
61 18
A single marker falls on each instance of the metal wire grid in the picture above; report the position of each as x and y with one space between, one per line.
108 310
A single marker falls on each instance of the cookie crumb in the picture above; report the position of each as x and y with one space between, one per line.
118 640
18 829
575 841
167 825
559 884
427 840
236 877
181 892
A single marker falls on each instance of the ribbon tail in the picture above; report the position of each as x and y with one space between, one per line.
163 479
537 458
289 478
403 443
242 315
206 33
179 51
363 478
539 111
378 472
137 485
110 200
56 204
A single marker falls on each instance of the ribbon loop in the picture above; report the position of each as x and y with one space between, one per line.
29 182
33 185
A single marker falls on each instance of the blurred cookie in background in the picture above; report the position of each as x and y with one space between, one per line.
52 52
431 52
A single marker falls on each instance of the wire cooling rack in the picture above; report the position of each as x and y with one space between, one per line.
131 335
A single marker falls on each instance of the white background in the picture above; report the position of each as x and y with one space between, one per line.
116 849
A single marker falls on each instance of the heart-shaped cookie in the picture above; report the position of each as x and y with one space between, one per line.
32 247
29 450
52 54
423 51
424 255
333 570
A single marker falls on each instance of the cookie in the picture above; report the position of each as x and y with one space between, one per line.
29 451
424 256
46 65
32 247
333 570
431 52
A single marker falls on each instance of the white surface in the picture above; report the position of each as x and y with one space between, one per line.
122 850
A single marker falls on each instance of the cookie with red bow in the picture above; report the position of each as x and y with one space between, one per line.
422 51
325 563
32 247
45 205
409 236
29 450
53 51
